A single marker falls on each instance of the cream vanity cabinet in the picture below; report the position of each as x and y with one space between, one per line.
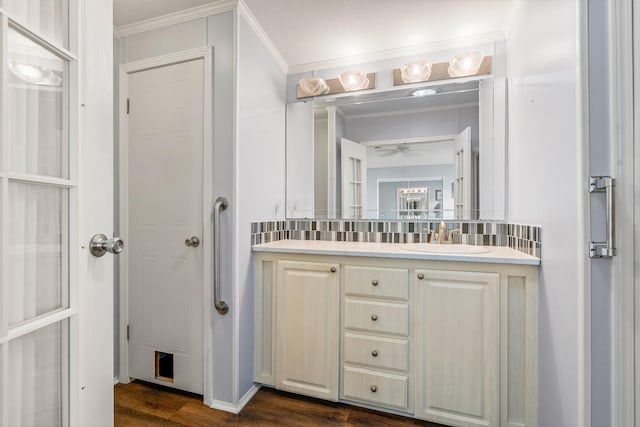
454 342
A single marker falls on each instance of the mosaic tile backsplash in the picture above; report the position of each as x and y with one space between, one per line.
523 238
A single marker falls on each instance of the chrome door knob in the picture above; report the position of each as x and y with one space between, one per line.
100 245
192 241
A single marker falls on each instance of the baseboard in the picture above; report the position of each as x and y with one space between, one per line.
248 395
116 380
236 408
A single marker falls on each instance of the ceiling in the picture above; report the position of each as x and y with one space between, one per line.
314 31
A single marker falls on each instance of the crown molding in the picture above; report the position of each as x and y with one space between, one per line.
262 35
399 52
179 17
514 13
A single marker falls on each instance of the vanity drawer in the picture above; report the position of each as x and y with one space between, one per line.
382 317
376 282
386 353
379 388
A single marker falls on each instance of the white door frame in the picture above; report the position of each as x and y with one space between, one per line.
622 67
205 53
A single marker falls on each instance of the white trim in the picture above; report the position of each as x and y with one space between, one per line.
164 60
332 166
245 12
512 18
621 124
235 198
219 6
206 54
398 52
40 322
418 140
583 221
237 407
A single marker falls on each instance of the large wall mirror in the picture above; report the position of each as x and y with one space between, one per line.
399 154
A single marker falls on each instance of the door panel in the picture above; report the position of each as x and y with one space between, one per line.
354 178
462 175
457 347
56 190
165 209
307 300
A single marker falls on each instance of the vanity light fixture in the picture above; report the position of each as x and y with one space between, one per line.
353 80
465 64
424 92
313 86
416 71
470 63
348 81
34 74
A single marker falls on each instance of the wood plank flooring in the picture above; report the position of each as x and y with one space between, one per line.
143 404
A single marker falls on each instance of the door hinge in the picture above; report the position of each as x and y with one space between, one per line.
128 332
127 105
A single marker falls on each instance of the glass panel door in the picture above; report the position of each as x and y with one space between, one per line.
36 192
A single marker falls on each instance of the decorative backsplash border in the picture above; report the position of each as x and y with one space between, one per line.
523 238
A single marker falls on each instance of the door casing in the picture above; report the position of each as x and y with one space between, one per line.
205 53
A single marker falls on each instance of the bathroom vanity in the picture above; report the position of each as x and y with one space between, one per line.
442 333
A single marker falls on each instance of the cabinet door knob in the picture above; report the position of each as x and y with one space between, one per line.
420 276
374 282
333 269
374 317
373 389
374 353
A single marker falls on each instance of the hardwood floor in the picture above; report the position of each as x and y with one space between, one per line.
143 404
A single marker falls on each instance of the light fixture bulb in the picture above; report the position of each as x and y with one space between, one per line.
313 86
353 80
35 74
415 71
465 64
424 92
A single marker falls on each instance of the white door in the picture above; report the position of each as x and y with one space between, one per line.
165 200
353 162
462 175
56 191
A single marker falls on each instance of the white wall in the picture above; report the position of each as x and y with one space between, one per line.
259 171
544 188
300 158
435 122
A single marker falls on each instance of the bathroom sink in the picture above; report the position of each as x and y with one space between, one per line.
432 248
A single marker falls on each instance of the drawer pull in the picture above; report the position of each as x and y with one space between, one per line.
373 389
374 282
420 276
374 353
333 269
374 317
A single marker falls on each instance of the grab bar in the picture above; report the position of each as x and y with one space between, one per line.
606 249
220 205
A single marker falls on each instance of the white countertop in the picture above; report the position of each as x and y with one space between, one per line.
491 254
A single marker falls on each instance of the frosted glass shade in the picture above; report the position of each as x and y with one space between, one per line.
465 64
313 86
415 71
353 80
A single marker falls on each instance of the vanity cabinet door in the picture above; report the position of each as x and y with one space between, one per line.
457 347
307 328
